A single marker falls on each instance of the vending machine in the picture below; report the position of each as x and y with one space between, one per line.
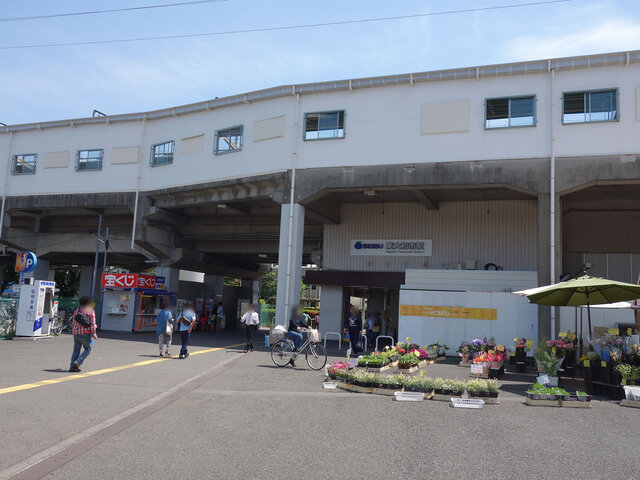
36 308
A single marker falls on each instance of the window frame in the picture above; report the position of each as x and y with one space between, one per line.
217 152
590 91
512 97
344 125
14 163
101 161
152 162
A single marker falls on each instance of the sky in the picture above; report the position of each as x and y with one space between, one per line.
41 84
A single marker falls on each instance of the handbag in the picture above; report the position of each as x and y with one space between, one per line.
168 328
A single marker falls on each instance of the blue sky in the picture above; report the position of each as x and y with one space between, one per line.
69 82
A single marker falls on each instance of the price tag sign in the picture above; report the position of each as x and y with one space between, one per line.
587 363
529 343
543 379
603 364
562 334
614 331
512 354
476 368
571 336
629 331
500 348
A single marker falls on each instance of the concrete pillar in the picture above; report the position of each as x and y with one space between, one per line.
213 286
171 278
289 261
331 309
84 286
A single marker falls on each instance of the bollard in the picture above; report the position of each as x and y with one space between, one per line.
266 340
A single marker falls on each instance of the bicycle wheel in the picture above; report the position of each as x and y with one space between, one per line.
281 353
56 326
316 356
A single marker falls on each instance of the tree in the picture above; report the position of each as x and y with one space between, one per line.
9 275
68 281
269 286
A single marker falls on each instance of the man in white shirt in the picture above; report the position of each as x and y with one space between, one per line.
186 320
251 321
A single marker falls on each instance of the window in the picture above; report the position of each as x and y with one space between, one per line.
24 164
89 160
591 106
510 112
324 125
162 154
228 140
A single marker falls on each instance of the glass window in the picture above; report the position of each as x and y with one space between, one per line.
89 160
510 112
324 125
162 154
228 140
24 164
590 106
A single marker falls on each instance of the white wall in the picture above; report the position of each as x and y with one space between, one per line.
516 317
331 309
383 126
508 230
600 317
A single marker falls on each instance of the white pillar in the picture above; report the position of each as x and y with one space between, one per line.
331 309
86 274
171 278
289 261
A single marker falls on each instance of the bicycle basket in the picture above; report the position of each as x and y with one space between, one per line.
279 332
314 335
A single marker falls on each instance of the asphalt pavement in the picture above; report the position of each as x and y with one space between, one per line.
227 415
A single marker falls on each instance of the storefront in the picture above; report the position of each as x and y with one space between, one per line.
132 301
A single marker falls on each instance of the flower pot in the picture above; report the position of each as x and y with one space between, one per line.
493 394
553 381
465 357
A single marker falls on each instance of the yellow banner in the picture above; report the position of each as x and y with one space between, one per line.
449 312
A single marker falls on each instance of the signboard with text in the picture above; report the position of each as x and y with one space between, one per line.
391 248
133 280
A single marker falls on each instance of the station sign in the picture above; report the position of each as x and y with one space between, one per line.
391 248
25 262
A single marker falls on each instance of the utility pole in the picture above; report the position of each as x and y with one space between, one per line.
95 261
106 247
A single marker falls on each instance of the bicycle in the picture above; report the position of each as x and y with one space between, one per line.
8 319
282 353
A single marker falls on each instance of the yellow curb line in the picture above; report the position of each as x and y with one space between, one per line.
42 383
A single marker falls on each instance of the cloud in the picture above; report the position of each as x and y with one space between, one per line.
610 36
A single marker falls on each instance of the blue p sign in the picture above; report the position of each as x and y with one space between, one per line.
25 262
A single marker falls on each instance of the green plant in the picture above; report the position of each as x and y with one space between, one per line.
409 358
438 383
547 361
493 386
477 386
581 394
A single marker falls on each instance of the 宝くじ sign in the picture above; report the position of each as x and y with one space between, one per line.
398 248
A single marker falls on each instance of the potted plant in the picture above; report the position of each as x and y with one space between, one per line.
407 361
583 396
464 352
438 385
477 388
548 364
493 388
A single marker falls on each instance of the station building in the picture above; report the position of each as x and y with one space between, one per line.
530 167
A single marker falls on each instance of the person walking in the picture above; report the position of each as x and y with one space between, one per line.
353 326
371 322
186 320
218 317
84 332
251 321
164 329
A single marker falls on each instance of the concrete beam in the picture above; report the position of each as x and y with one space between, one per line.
423 198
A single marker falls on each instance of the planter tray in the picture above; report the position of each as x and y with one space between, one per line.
630 403
542 403
356 388
575 404
408 370
378 369
440 397
488 400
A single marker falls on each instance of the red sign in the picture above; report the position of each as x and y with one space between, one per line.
120 280
146 281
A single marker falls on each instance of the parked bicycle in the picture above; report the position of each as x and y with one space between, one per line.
8 319
282 353
63 322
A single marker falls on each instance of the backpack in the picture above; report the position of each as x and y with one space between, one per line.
83 318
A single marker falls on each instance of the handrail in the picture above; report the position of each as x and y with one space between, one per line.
333 333
383 336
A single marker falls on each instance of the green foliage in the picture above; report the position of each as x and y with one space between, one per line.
409 358
269 286
547 361
9 275
68 281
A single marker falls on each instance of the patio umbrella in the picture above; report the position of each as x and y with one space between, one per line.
585 290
